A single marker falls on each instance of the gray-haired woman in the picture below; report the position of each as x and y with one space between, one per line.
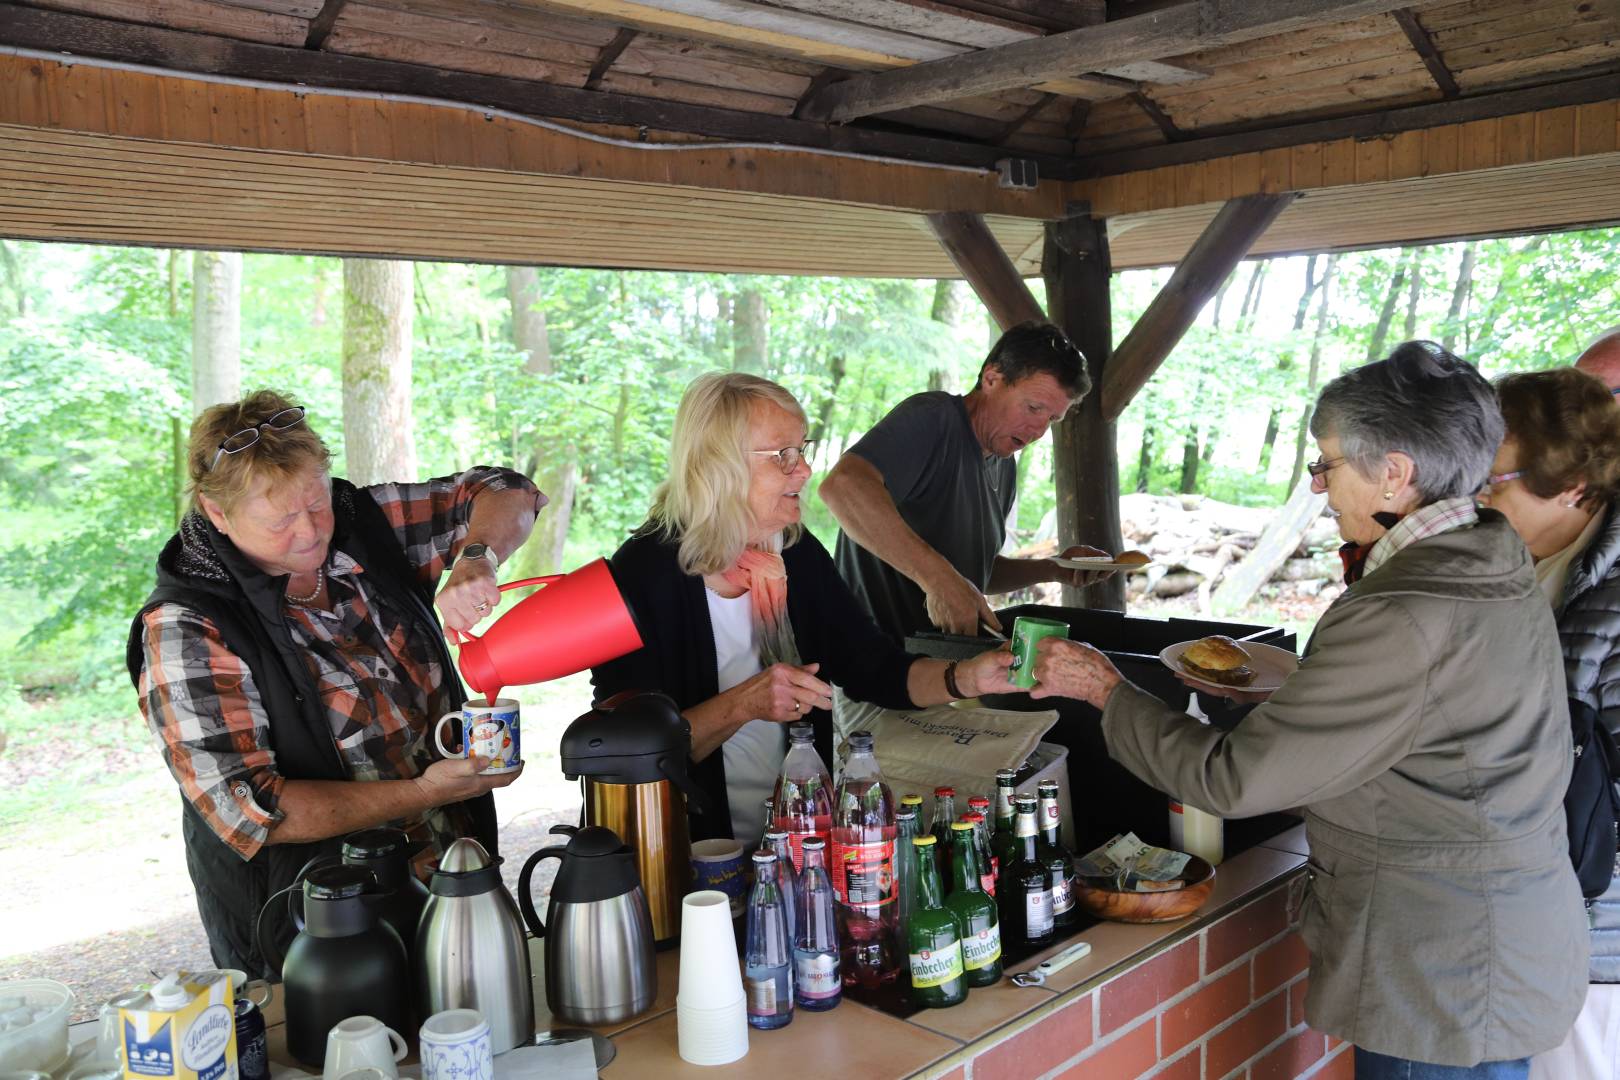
1425 734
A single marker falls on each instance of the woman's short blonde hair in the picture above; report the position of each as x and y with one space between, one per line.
704 503
280 455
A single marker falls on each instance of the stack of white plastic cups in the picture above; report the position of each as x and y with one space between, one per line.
710 1012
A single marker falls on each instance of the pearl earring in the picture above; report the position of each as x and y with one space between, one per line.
1389 494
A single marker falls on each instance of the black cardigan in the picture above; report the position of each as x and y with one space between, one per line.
677 657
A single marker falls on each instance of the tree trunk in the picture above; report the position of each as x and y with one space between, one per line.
837 367
1189 461
1459 293
1499 297
216 328
317 311
1314 373
14 277
1414 291
1274 418
1251 295
750 332
552 463
378 314
1386 314
174 273
950 308
1144 460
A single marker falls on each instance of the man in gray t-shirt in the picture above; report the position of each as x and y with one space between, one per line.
922 499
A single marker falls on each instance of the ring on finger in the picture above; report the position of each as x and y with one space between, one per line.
798 706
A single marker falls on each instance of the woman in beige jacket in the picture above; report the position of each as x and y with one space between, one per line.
1425 733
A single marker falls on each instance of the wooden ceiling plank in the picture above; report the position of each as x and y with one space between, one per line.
920 18
1472 23
1540 44
1260 50
409 50
1157 71
703 65
183 51
1152 36
676 90
1388 122
517 18
465 35
1602 58
201 16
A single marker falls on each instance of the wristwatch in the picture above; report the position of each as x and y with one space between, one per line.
481 551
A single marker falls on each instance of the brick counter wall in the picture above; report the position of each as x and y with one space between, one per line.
1228 1002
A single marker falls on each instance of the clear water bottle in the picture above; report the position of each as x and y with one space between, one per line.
768 958
803 800
863 869
787 880
817 986
905 865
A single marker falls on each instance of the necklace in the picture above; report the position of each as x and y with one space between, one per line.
320 583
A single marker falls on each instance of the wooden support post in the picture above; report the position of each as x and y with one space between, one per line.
1085 456
977 253
1197 278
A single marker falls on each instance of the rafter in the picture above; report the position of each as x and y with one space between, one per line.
1424 45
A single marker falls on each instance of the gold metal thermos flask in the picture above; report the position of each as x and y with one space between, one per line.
631 752
651 820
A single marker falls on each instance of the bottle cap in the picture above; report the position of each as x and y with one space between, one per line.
1047 786
813 842
911 799
803 731
1005 774
763 857
169 994
941 792
925 840
860 740
973 818
961 826
979 802
776 834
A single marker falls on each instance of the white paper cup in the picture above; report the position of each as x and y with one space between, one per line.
710 976
712 1037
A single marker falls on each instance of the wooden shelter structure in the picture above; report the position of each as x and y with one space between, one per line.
994 139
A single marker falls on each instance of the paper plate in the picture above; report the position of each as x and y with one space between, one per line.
1102 564
1271 666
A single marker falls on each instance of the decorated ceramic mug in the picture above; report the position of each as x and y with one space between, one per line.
456 1046
489 731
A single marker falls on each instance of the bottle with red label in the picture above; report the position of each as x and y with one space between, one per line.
981 849
863 868
802 802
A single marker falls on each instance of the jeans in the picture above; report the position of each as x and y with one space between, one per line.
1371 1066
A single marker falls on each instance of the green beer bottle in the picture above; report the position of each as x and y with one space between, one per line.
1059 863
905 865
977 923
932 940
1025 890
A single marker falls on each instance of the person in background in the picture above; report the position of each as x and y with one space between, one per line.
1426 734
290 662
922 499
1602 359
1555 479
746 623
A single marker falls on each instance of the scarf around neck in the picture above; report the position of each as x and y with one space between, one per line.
763 576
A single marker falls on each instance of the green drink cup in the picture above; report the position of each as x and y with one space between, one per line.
1026 633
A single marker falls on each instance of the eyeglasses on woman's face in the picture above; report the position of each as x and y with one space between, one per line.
789 457
235 444
1319 470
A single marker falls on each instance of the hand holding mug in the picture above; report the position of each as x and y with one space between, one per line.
1073 669
490 731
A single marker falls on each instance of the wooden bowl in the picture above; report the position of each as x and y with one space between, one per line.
1102 902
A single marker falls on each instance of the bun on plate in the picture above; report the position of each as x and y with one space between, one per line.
1218 659
1132 558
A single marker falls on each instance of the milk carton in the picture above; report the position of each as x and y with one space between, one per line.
183 1029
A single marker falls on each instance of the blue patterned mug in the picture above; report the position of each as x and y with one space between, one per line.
456 1046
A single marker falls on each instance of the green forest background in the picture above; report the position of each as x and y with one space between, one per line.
95 393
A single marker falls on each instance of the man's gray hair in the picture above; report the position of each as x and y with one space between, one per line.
1422 402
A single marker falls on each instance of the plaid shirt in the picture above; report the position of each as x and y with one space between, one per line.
1431 520
382 685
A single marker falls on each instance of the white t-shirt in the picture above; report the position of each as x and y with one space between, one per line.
754 753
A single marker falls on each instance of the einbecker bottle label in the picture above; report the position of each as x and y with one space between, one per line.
1062 897
936 967
982 949
1038 912
762 996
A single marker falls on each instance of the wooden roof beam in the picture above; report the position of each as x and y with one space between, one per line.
1196 279
1154 35
320 27
985 265
205 54
1424 45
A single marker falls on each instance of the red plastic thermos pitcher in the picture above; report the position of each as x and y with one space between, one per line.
577 621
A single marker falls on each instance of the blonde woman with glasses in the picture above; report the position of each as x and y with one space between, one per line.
746 621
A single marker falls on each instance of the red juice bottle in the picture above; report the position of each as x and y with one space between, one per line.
802 803
863 868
